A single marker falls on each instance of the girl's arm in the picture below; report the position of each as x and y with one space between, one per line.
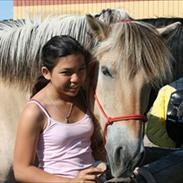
30 126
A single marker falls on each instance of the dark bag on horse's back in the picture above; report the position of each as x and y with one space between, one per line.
174 122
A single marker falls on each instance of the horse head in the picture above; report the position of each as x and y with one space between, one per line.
131 58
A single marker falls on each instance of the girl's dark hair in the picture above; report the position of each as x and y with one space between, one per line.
58 46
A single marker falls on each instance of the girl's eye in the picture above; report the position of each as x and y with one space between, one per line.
66 73
106 71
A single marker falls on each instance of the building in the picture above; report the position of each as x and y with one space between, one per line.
136 8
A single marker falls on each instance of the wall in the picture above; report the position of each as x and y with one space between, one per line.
136 8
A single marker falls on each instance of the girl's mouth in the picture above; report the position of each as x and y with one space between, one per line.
74 89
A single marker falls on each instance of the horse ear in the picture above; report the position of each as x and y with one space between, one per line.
98 28
165 30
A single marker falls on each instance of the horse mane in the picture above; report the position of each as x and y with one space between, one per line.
21 42
173 39
141 48
109 16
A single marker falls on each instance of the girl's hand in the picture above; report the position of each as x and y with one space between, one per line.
90 175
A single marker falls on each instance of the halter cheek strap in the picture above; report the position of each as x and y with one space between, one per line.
110 120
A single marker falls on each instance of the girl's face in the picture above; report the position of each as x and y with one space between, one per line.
68 75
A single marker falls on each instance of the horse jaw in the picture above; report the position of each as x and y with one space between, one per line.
123 150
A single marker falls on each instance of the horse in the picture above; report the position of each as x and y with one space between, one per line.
21 42
19 69
131 59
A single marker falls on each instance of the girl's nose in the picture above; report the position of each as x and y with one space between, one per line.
75 77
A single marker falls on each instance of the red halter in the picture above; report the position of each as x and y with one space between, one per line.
110 120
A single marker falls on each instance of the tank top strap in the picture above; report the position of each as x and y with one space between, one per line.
40 106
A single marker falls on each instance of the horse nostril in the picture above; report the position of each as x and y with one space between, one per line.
118 154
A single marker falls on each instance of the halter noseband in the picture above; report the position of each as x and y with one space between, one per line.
110 120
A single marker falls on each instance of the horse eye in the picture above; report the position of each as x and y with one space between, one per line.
105 71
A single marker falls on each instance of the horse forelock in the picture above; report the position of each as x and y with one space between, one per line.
138 47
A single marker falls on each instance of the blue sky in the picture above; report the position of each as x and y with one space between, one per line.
6 9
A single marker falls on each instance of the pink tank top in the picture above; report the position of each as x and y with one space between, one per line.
64 149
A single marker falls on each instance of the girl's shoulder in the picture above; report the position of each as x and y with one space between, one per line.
32 109
32 115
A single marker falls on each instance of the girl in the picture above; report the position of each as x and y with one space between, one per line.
55 125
